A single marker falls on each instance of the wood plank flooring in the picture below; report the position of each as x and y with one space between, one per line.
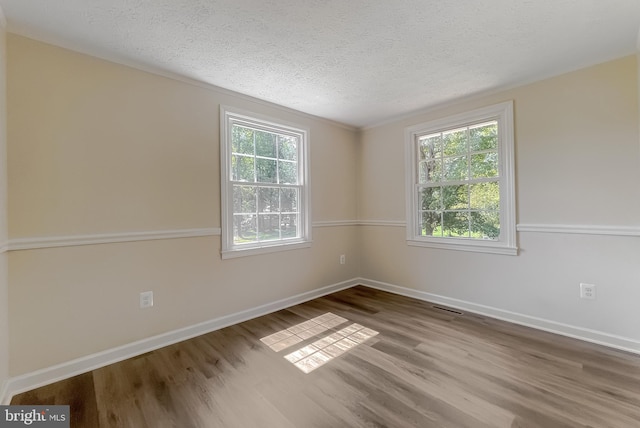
425 368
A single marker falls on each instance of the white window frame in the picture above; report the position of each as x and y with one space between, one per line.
228 117
506 242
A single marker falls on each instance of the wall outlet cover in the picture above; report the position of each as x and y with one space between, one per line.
146 299
587 291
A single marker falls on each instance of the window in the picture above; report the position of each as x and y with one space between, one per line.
265 186
460 182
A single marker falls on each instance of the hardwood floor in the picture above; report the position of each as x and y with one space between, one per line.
426 368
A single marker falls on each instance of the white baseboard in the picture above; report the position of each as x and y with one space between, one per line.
593 336
28 381
38 378
5 398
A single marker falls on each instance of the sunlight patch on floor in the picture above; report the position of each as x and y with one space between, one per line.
303 331
318 353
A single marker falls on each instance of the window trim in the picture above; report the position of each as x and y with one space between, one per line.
228 116
506 243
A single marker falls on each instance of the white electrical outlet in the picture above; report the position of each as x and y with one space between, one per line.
146 299
343 259
587 291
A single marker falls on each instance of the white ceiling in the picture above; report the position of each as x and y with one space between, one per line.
358 62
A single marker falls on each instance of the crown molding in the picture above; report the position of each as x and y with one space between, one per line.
464 99
158 71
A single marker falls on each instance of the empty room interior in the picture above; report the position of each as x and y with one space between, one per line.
321 214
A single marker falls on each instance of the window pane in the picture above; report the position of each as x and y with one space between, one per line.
265 144
484 165
455 223
430 147
430 171
485 224
458 193
456 169
289 226
268 227
289 200
431 223
288 172
244 199
266 170
241 140
423 173
454 142
485 196
244 229
268 200
430 198
264 184
455 197
287 148
242 168
483 137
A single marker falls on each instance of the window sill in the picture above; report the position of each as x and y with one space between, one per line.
264 249
490 247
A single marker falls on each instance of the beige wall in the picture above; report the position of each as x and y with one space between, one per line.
577 163
4 289
96 147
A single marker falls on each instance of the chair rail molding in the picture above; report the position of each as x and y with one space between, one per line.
335 223
582 229
383 223
106 238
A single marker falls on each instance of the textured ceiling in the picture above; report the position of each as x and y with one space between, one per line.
357 62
